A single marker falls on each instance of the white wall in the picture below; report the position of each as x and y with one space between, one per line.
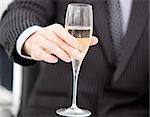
3 5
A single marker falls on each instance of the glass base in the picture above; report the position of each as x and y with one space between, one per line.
73 112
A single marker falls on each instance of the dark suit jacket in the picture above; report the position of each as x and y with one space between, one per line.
104 89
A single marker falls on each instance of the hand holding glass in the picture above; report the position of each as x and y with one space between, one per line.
79 23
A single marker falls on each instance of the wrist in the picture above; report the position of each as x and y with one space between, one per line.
26 49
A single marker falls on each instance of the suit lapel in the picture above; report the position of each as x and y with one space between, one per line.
138 17
102 29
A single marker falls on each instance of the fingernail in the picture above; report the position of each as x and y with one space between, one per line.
79 56
68 60
55 60
76 44
96 39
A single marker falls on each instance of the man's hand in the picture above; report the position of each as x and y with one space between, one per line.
51 43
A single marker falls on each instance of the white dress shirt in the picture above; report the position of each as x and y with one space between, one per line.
23 37
125 5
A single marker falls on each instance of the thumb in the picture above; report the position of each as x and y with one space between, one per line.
94 41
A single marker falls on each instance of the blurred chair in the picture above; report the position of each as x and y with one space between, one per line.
6 67
5 75
9 101
17 89
21 86
5 102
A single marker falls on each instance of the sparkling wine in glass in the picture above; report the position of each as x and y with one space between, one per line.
79 23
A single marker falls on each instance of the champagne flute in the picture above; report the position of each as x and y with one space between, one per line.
79 23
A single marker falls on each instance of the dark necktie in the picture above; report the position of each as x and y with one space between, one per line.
115 23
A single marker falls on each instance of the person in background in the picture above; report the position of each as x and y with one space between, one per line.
115 74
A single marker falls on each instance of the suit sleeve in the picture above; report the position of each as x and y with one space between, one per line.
20 15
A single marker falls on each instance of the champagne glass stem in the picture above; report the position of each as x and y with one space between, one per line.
79 23
76 68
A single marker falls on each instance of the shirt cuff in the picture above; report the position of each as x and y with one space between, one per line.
23 37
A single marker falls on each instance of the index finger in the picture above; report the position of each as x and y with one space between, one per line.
60 31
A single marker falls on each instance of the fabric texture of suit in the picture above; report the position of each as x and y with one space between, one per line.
106 90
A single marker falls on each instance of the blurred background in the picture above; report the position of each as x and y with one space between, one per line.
5 64
10 79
